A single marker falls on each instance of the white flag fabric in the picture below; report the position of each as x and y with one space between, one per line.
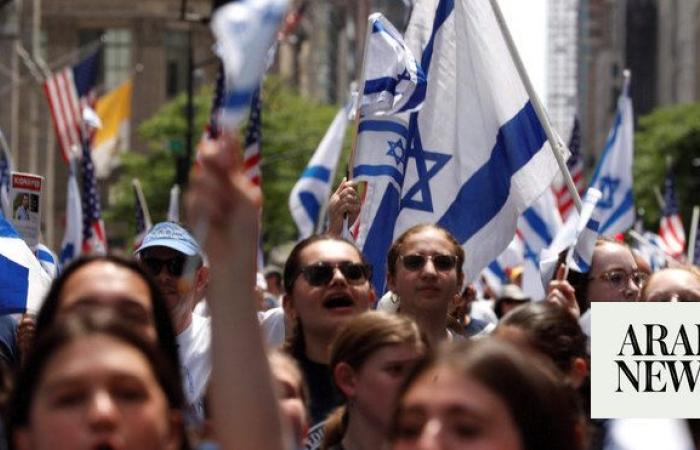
613 175
579 233
475 154
391 73
23 282
312 190
47 259
245 31
73 235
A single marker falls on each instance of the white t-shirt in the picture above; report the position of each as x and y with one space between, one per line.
273 326
194 348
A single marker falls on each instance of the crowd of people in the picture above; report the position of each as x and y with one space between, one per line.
186 346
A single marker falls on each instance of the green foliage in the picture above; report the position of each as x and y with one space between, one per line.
292 128
675 132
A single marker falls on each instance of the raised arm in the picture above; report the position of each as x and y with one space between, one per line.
244 405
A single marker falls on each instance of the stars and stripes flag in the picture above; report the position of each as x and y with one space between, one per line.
68 91
94 237
565 202
671 226
251 153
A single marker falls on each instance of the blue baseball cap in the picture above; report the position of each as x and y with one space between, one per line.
171 235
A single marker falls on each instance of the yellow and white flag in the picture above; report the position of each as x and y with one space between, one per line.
114 109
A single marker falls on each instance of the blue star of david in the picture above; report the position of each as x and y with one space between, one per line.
396 151
422 185
608 186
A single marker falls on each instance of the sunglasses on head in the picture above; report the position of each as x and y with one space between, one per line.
320 274
442 263
175 266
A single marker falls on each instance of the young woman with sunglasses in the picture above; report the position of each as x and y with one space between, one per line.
326 283
371 358
425 272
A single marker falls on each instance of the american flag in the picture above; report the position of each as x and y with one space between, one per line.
251 154
94 238
671 227
68 91
212 130
565 202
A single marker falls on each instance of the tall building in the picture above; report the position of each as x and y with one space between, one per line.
562 50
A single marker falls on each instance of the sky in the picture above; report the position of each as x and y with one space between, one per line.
527 21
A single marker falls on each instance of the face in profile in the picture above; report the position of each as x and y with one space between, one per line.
427 277
104 283
331 288
445 410
99 393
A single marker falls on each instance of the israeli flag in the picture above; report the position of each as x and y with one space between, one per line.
311 192
73 235
537 227
579 235
613 175
23 282
475 155
245 31
48 260
391 73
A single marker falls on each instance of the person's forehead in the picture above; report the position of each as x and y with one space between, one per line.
329 250
610 256
428 239
673 280
105 282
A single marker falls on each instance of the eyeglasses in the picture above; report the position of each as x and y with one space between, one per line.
175 266
619 279
320 274
442 263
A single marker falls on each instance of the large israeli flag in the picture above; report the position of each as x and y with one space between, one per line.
311 192
475 155
391 73
613 175
23 282
73 236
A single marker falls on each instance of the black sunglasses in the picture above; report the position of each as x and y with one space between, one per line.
442 263
175 266
320 274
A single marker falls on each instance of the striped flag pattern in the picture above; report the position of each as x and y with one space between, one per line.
67 91
251 154
565 202
671 227
94 237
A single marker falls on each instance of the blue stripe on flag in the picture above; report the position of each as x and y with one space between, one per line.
538 225
378 240
626 204
311 205
498 271
581 263
319 172
43 255
517 142
376 171
383 125
7 230
380 85
238 99
14 286
608 145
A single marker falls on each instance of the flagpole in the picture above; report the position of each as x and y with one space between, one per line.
693 233
358 103
555 144
142 199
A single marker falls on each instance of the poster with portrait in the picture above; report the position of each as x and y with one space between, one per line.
25 198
